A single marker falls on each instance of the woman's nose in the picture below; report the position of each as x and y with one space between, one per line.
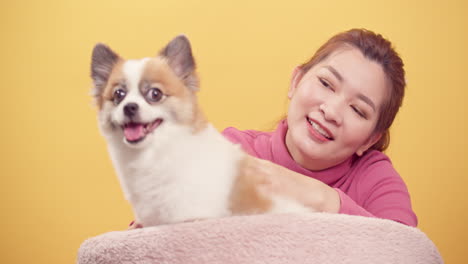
331 112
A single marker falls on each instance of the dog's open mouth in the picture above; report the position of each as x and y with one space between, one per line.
136 132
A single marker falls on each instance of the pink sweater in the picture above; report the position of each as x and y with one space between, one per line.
367 186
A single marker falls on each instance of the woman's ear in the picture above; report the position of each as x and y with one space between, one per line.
296 77
369 143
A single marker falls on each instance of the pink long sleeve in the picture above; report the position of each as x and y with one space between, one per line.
378 192
367 186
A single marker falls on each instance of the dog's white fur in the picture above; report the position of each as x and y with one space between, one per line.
183 170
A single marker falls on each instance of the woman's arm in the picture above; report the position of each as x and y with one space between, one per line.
385 197
377 190
278 180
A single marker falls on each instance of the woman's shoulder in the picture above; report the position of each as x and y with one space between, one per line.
237 136
375 166
374 156
250 140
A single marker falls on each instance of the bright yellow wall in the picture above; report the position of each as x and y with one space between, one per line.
57 184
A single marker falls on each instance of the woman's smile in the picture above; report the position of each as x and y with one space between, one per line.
318 131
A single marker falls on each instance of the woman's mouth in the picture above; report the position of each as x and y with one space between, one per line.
319 131
136 132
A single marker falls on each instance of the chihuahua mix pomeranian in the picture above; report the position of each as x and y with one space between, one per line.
173 166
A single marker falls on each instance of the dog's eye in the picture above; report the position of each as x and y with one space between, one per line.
119 95
154 95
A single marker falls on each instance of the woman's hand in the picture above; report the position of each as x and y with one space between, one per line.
277 180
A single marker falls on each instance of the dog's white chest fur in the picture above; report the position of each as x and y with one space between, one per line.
186 178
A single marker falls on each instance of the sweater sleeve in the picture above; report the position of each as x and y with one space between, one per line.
380 192
243 138
349 206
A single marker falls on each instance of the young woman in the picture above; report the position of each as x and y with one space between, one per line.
327 153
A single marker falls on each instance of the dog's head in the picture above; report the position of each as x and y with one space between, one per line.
139 98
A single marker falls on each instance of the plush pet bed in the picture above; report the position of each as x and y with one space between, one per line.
306 238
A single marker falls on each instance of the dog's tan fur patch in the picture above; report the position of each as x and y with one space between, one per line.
158 72
115 78
250 190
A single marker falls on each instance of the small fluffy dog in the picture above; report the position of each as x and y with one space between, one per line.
172 164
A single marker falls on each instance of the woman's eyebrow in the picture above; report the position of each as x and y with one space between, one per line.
366 100
335 72
360 96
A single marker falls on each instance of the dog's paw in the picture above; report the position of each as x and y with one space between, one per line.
134 225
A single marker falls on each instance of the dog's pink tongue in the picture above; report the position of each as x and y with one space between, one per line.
134 132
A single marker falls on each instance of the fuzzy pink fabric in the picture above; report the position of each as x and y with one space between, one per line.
307 238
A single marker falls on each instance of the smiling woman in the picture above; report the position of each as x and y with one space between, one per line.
342 103
336 97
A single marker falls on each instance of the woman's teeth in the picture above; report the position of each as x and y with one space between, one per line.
319 129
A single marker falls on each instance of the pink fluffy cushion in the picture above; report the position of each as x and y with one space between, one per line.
289 238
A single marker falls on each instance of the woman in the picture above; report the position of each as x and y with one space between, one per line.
342 104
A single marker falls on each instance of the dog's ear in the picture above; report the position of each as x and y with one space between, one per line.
103 60
179 56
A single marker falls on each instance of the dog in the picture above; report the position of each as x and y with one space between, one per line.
172 164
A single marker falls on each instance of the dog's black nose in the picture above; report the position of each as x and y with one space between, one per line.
130 109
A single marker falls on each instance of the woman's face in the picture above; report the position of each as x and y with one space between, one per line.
334 108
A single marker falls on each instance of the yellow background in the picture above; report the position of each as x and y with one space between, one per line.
57 184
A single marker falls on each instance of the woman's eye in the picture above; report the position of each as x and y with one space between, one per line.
325 84
359 112
154 95
119 95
